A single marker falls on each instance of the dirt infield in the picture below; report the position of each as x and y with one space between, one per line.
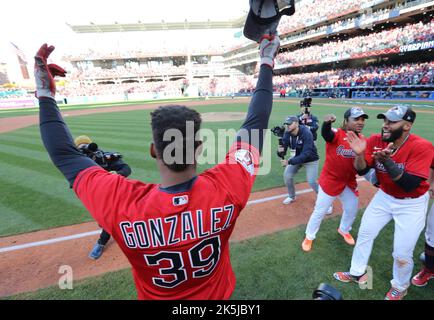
222 116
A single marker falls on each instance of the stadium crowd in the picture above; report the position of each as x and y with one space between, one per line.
76 89
310 12
344 49
403 74
124 71
136 50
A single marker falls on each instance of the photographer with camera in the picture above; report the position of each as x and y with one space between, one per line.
307 118
109 161
298 139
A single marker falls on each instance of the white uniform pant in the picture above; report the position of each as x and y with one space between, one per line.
429 232
409 216
350 204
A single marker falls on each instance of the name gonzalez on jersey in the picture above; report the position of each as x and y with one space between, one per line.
151 233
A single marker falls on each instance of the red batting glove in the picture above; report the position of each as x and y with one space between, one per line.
56 70
44 73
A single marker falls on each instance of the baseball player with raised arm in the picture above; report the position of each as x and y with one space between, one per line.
422 278
402 163
175 234
338 176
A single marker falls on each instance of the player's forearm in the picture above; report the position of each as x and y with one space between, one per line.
58 141
253 129
360 164
327 132
408 182
392 169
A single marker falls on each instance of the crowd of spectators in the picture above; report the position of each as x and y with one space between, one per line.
370 76
76 89
143 50
214 86
403 74
125 72
344 49
330 51
12 93
310 12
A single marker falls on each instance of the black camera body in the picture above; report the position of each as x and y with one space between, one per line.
278 131
102 158
306 103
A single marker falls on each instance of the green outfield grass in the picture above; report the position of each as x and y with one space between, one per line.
272 268
35 196
33 111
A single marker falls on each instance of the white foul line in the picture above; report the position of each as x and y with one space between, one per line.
49 241
92 233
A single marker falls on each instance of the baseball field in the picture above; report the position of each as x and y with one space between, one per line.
43 226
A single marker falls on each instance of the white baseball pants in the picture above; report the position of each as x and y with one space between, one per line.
429 232
350 204
409 216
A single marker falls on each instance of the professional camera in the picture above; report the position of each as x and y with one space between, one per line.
306 103
102 158
326 292
278 131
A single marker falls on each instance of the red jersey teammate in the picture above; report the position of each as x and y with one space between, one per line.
402 164
338 176
176 234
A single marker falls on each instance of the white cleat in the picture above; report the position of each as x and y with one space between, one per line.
288 200
330 210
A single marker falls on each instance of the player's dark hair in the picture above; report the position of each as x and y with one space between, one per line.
175 117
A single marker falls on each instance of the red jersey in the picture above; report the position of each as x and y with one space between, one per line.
432 163
176 241
415 157
338 171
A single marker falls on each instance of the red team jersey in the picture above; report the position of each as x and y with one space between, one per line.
415 157
338 171
432 163
177 243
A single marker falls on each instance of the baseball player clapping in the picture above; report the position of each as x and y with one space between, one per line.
402 163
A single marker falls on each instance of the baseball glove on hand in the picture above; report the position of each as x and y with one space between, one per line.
45 73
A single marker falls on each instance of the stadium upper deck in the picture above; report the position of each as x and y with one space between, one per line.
359 20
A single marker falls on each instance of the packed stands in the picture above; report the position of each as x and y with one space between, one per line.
310 12
404 74
357 46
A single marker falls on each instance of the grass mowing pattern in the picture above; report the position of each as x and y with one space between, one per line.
32 188
272 267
